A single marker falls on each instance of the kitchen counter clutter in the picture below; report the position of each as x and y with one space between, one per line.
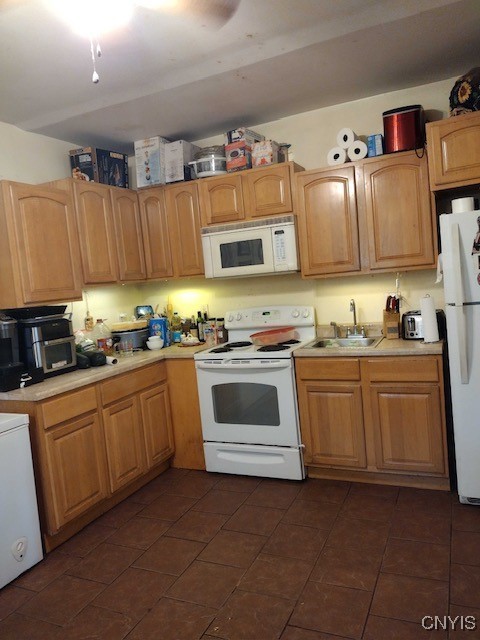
82 377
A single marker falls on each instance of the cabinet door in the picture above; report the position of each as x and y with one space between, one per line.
93 209
267 191
184 223
128 233
77 469
46 239
125 442
331 420
407 426
454 151
156 238
221 199
398 213
157 424
327 222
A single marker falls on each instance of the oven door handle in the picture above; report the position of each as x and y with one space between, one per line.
242 365
64 340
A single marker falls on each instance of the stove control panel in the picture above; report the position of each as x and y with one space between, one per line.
281 315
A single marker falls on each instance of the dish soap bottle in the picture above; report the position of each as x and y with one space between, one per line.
176 328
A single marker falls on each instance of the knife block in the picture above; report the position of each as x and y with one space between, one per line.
391 325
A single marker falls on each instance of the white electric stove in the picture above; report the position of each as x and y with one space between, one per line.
248 399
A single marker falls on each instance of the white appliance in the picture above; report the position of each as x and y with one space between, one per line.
258 247
460 233
248 397
20 542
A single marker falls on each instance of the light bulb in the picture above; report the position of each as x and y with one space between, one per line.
95 78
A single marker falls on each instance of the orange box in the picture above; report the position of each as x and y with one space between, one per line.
238 155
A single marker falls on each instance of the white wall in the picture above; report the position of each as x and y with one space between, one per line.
32 158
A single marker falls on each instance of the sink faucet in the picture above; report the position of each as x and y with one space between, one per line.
354 309
355 331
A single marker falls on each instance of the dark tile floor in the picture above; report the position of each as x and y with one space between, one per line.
195 555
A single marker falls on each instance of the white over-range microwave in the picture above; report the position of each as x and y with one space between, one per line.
259 247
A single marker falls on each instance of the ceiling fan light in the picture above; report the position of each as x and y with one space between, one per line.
93 18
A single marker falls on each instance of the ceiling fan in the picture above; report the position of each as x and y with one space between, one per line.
95 18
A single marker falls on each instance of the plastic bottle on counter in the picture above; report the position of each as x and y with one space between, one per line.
102 337
193 327
200 327
176 328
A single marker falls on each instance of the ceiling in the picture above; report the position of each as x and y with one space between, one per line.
180 76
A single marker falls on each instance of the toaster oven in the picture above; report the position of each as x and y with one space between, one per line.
412 325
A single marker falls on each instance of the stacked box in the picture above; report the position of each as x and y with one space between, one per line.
266 152
243 134
375 145
150 161
177 156
99 165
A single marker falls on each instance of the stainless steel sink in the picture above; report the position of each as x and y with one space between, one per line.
353 342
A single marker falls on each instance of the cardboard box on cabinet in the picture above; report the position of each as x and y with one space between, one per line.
242 134
238 155
150 161
177 156
99 165
266 152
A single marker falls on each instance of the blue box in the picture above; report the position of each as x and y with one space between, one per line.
375 145
99 165
159 327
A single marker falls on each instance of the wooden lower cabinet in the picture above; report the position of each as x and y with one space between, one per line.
157 424
76 469
124 442
376 419
95 446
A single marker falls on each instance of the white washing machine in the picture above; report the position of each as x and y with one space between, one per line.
20 541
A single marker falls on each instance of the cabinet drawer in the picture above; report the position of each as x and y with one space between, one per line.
132 382
401 369
328 368
68 406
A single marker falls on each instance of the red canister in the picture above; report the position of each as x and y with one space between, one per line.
404 128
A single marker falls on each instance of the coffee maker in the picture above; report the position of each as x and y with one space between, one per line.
14 374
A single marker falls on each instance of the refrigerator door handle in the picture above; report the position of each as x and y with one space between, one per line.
456 265
458 340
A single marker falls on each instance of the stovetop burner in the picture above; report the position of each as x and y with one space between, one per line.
240 343
288 342
273 347
220 350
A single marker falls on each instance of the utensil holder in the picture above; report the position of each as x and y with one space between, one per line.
391 325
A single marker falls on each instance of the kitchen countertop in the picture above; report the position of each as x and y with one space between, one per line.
385 347
82 377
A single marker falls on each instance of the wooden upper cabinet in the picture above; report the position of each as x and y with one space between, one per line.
93 209
327 222
39 252
398 213
454 151
156 237
267 190
221 199
184 226
128 234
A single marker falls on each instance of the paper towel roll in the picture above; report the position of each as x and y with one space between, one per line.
357 151
111 360
429 319
337 155
345 138
460 205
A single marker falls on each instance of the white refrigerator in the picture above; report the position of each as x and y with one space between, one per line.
460 238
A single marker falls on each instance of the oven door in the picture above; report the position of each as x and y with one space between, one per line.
248 401
238 253
57 355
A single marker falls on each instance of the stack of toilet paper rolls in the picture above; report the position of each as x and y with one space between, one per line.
349 147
